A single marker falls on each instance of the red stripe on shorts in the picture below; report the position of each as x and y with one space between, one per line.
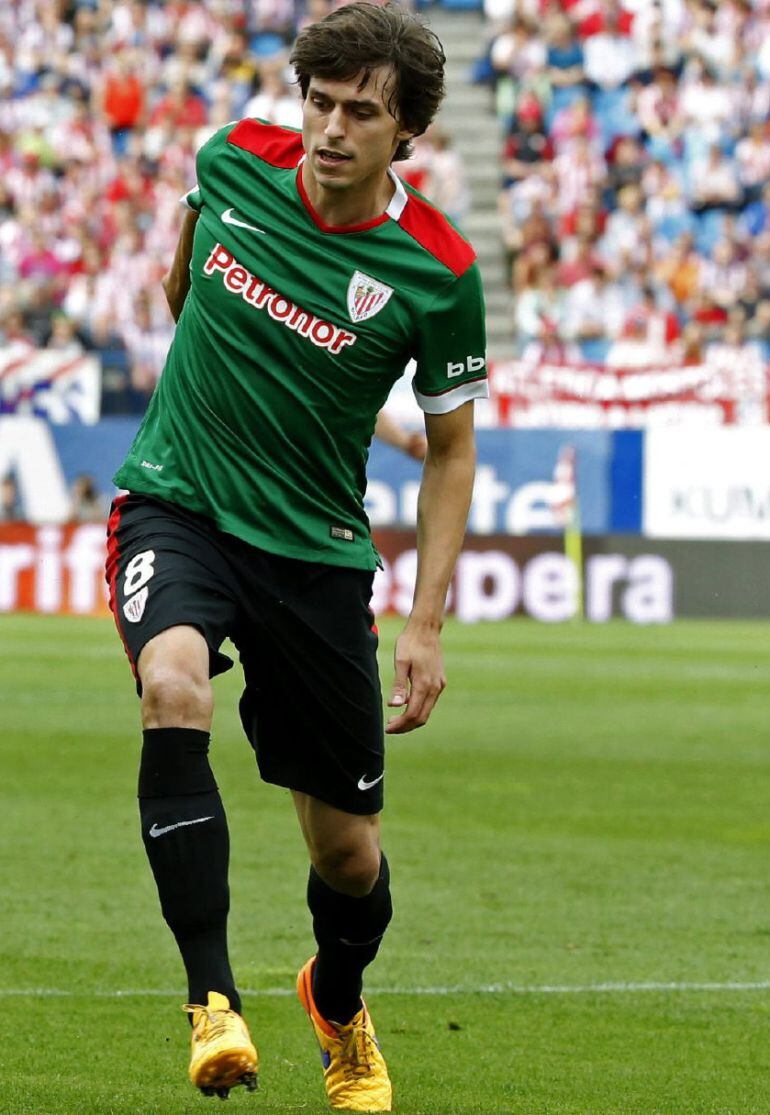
111 570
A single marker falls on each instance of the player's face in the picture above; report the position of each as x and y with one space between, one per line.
349 135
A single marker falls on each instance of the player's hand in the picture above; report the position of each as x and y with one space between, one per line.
419 678
417 445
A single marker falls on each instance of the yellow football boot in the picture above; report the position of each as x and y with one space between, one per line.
355 1073
222 1053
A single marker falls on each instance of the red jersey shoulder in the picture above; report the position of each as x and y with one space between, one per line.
433 231
279 147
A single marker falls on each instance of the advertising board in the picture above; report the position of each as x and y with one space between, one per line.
514 490
707 484
60 570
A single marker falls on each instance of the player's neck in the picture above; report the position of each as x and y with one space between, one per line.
337 208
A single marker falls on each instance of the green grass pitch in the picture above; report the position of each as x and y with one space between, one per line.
584 822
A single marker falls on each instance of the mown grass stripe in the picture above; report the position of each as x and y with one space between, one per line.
459 989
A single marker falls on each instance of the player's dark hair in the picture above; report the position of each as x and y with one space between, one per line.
359 38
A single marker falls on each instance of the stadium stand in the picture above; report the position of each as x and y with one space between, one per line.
103 105
635 162
632 160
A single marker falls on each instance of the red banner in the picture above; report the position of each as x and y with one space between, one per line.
53 569
564 395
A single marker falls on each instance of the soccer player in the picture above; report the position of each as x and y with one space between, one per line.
306 276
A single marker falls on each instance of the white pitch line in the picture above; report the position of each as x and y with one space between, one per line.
459 989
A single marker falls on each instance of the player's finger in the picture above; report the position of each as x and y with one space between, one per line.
399 693
421 701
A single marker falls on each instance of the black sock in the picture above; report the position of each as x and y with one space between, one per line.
184 829
348 931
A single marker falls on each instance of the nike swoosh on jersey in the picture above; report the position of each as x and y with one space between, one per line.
155 831
229 219
364 785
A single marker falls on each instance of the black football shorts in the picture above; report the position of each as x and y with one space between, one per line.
312 705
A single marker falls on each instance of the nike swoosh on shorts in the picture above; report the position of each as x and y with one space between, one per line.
364 785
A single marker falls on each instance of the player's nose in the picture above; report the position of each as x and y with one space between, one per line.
335 125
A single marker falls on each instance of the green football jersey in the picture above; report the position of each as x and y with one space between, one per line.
290 339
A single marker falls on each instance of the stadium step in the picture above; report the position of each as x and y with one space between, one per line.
468 117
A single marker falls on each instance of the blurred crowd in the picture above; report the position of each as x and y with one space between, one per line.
635 201
103 105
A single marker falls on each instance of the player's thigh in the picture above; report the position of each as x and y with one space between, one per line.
168 570
312 706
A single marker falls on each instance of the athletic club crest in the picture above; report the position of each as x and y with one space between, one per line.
366 296
133 609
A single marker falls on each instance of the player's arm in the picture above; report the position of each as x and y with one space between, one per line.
450 373
442 510
177 282
411 442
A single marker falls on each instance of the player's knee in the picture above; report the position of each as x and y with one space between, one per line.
349 868
175 696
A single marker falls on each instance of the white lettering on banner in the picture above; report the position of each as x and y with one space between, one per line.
381 504
604 572
13 559
81 591
532 507
495 505
725 390
643 586
386 506
410 494
488 492
551 588
48 573
650 594
84 561
27 450
491 586
488 586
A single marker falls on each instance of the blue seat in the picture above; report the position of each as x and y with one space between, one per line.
595 351
672 226
266 43
708 229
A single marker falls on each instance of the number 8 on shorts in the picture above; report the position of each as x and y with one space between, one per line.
139 571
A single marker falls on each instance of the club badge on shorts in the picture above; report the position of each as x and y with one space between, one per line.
366 296
133 609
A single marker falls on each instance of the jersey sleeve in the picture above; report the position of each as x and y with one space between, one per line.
451 347
192 199
195 198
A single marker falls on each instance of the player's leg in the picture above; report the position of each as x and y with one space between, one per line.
312 709
169 594
185 834
349 897
184 827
